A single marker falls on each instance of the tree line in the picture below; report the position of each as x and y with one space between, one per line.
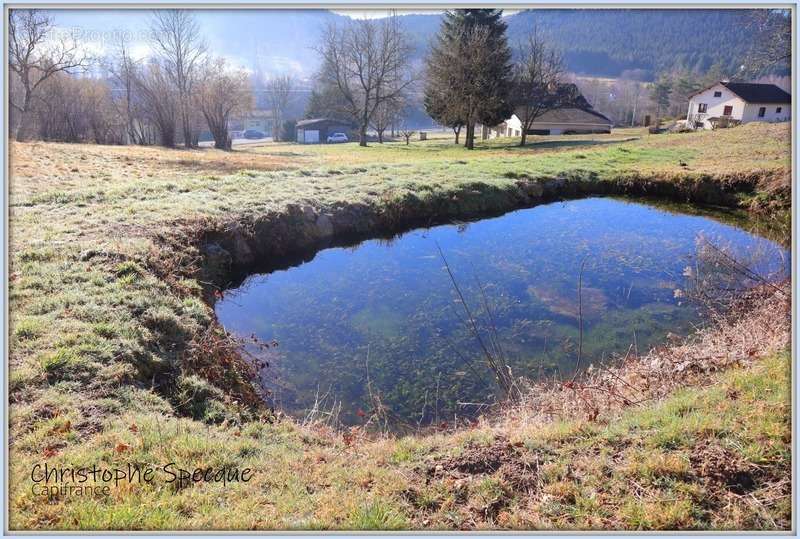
470 77
167 98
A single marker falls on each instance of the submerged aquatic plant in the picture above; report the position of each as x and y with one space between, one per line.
495 358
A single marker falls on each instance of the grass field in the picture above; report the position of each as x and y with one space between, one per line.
112 362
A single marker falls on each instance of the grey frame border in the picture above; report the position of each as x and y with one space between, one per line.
366 5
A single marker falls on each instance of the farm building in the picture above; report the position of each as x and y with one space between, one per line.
731 103
317 130
578 118
563 121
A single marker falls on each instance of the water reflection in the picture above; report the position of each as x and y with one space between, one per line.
384 319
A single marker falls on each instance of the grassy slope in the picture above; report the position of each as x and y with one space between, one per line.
90 322
717 457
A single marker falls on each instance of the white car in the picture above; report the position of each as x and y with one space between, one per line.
337 137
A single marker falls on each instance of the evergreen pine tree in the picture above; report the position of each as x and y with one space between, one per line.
469 73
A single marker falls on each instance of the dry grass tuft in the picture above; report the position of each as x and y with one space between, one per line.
757 326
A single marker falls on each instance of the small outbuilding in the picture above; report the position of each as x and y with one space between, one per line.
317 130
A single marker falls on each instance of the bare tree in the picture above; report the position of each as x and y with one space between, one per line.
105 124
407 134
630 92
175 37
387 114
772 41
125 70
279 93
34 58
367 62
223 93
73 109
537 86
160 101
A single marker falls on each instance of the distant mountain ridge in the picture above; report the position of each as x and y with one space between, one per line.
597 42
606 42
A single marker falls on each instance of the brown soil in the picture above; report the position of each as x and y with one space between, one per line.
500 457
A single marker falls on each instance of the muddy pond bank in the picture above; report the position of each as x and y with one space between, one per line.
233 249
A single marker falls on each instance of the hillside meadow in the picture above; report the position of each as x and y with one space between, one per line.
116 358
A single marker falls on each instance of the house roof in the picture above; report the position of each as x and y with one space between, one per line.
758 93
313 121
258 113
571 116
753 92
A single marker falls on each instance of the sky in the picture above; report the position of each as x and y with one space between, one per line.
264 41
271 41
380 13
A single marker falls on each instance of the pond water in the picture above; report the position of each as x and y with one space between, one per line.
384 319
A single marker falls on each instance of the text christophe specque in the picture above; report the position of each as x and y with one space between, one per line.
53 481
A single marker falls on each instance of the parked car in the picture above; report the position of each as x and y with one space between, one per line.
236 134
254 134
337 137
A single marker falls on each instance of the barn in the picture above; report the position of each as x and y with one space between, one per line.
316 130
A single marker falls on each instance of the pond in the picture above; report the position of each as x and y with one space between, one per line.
384 319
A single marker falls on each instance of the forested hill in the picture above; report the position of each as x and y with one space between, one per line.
602 42
608 42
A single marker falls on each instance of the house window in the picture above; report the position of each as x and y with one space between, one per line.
778 110
717 94
762 111
702 107
727 111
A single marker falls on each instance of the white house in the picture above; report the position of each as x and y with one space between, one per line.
726 103
259 120
564 121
